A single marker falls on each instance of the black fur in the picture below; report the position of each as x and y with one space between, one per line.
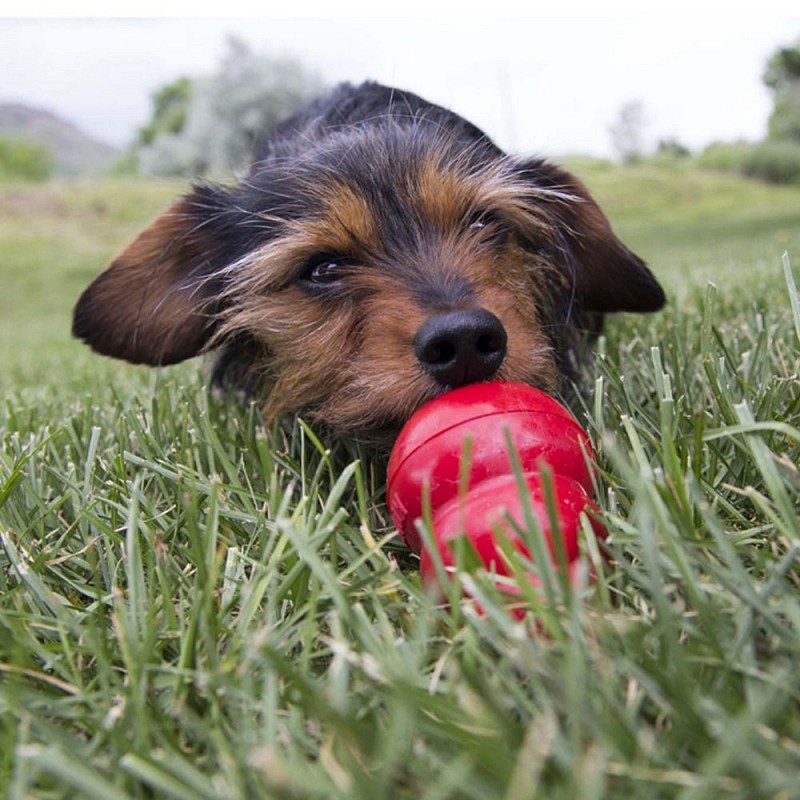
374 140
369 134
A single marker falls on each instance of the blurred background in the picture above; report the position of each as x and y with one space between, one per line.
188 96
685 126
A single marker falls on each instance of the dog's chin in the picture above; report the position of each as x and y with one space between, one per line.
371 416
379 439
377 435
379 431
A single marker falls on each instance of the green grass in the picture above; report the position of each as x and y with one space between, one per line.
192 606
53 240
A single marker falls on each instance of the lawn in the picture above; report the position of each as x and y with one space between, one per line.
192 606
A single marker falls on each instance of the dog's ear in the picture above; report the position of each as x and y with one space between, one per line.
607 275
155 303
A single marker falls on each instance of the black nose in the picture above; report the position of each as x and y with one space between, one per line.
460 347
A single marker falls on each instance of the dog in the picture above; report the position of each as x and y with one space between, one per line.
381 250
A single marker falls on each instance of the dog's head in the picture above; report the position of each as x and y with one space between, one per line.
356 276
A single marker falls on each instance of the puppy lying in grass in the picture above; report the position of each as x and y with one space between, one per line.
381 251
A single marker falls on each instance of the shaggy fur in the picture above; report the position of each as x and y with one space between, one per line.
380 251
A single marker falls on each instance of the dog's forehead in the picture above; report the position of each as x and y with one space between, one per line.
393 187
388 196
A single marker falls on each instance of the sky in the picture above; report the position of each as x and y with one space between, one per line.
542 83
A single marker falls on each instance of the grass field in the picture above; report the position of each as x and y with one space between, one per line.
194 607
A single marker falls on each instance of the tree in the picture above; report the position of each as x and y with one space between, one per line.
782 76
21 160
627 133
672 148
170 109
210 125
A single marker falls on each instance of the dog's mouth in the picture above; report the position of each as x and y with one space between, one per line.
381 430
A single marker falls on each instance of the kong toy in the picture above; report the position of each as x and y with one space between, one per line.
454 453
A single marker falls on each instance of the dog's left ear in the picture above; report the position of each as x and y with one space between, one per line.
156 302
607 275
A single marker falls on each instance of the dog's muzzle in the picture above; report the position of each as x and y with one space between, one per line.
460 347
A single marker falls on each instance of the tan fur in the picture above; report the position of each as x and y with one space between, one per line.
146 308
356 367
380 251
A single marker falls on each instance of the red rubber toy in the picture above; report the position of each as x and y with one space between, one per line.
430 456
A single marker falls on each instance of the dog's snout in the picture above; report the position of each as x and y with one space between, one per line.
460 347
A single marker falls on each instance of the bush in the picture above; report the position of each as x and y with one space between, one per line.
672 148
724 156
770 161
23 160
774 162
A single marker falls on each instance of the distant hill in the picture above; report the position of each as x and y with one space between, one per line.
74 153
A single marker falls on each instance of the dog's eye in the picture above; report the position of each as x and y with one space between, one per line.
489 225
324 270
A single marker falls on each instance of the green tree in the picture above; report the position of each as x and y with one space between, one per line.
671 147
210 125
23 160
782 76
170 109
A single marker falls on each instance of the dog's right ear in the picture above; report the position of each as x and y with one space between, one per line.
605 274
156 302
